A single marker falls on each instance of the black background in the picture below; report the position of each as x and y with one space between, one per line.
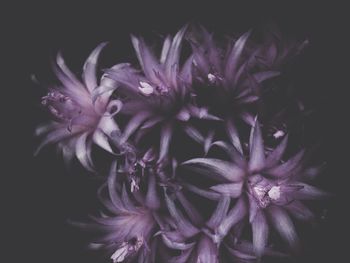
41 194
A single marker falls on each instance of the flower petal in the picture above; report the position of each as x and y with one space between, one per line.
284 226
237 213
193 133
233 58
201 192
264 75
309 192
83 152
219 213
215 167
260 233
89 72
184 226
257 153
233 190
133 124
233 135
300 211
165 139
284 170
277 154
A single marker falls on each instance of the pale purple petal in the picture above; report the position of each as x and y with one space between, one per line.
264 75
166 134
257 153
284 226
300 211
83 151
233 58
89 72
219 213
215 167
233 190
276 155
260 233
237 213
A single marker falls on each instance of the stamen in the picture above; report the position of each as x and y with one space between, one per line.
278 134
134 185
212 78
146 88
275 192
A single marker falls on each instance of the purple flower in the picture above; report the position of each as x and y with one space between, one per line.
267 187
200 240
77 120
160 96
227 74
126 228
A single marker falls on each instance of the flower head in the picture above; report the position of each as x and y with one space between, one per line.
126 227
77 120
267 186
159 97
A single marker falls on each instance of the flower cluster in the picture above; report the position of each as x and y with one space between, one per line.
187 182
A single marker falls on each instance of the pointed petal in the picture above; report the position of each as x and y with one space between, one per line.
233 58
260 233
186 72
300 211
284 170
56 136
233 135
65 75
165 139
257 153
207 194
207 251
83 152
128 204
146 58
112 187
208 141
233 190
193 133
253 208
237 213
284 226
235 155
309 192
264 75
176 245
173 56
215 167
165 49
101 139
89 72
277 154
184 226
219 213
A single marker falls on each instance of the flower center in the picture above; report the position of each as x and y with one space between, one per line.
264 191
61 106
